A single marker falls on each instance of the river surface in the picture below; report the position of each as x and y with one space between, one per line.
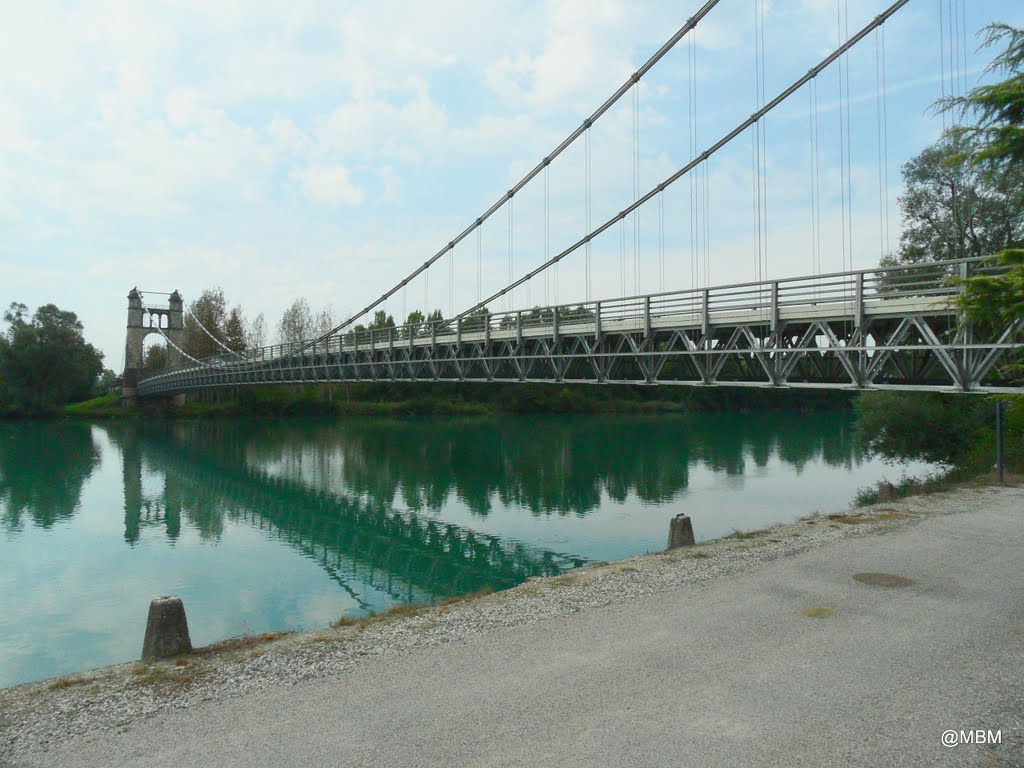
274 525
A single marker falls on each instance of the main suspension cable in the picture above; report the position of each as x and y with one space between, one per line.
690 24
219 343
706 154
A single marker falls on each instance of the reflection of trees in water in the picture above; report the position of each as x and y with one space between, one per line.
43 467
548 465
357 540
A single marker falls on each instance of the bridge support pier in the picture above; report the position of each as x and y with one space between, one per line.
168 321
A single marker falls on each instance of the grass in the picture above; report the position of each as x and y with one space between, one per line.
918 486
408 610
744 535
67 681
176 676
102 406
238 643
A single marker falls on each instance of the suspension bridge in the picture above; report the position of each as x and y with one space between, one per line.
897 327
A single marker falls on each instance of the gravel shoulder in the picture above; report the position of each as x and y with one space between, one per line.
56 714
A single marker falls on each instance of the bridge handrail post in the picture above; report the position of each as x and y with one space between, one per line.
775 306
487 328
519 326
858 318
554 325
458 333
433 333
647 317
597 321
391 338
705 321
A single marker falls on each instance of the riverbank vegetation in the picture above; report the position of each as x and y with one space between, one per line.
463 399
45 361
964 196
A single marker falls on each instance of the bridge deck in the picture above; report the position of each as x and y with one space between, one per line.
861 329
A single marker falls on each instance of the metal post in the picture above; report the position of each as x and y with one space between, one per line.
858 318
775 307
647 317
1000 458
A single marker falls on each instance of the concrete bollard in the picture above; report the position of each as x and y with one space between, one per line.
886 491
680 532
166 629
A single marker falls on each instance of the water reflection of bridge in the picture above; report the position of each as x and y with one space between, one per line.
407 555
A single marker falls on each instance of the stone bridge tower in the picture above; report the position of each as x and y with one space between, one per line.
167 320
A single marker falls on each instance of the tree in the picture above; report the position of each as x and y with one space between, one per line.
296 322
156 359
234 330
414 322
999 108
209 310
998 144
475 320
954 208
382 319
108 381
926 426
46 361
324 322
256 332
973 195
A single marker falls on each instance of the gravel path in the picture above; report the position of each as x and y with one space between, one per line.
41 721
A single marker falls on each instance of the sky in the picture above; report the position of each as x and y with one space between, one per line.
295 148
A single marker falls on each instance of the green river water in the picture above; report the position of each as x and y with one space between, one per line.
273 525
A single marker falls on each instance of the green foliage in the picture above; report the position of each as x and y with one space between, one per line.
296 323
45 361
954 208
997 145
382 319
997 301
155 360
107 381
104 405
934 427
234 330
998 109
227 327
209 310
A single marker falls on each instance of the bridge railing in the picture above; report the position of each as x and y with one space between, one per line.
838 291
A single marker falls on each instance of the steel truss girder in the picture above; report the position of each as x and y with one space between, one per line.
912 352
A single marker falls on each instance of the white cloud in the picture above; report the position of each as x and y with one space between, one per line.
331 185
